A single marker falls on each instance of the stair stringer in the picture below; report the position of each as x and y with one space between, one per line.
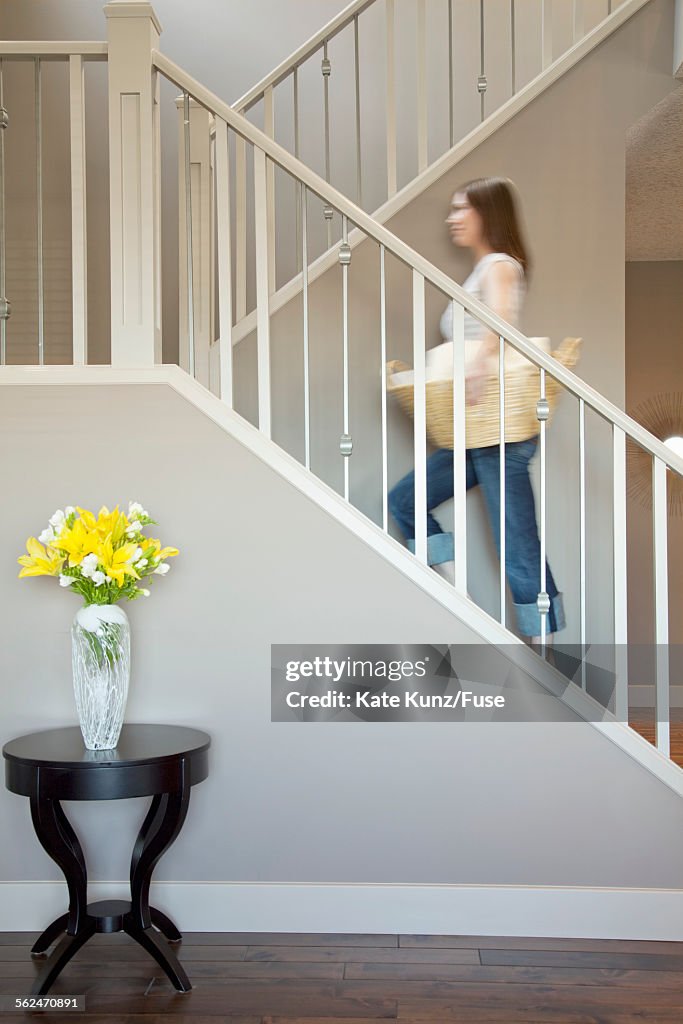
327 499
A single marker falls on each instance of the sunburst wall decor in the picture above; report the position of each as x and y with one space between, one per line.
662 415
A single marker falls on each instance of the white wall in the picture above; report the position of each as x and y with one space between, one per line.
525 804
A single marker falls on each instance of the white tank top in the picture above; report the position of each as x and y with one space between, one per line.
474 330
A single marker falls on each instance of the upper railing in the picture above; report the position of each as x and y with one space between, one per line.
215 141
385 89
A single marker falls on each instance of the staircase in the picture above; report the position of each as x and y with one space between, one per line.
285 351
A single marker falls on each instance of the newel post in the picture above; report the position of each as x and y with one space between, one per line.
134 184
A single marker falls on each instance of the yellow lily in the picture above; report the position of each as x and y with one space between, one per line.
40 561
116 563
152 549
78 542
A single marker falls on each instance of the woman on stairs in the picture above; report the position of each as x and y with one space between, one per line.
483 218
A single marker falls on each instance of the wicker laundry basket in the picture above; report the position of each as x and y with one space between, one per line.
522 390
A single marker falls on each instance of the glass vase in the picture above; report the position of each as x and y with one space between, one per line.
100 646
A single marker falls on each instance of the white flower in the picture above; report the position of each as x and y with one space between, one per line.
132 529
69 511
57 520
107 579
135 510
142 564
145 593
98 578
136 555
47 536
89 565
65 581
162 569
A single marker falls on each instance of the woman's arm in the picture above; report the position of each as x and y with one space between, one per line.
502 278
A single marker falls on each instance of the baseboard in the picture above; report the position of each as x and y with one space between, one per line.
506 910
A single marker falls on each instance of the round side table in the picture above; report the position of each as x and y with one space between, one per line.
161 761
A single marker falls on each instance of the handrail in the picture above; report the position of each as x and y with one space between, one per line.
60 50
289 64
417 262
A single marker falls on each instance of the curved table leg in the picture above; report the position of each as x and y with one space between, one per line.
63 952
166 959
60 842
49 935
165 925
160 829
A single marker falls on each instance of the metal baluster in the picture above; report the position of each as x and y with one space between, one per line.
326 68
5 308
295 88
304 262
513 48
451 98
582 537
420 417
188 232
422 114
223 232
39 217
482 84
609 7
501 415
262 290
79 274
661 593
359 163
383 358
459 450
391 98
543 600
345 442
620 573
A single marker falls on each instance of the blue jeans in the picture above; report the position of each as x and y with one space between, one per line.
522 547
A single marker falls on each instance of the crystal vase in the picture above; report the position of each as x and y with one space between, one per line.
100 645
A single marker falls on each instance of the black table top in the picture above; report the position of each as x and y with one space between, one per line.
137 744
146 760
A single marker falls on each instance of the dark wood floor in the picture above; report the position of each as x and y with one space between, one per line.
250 978
642 720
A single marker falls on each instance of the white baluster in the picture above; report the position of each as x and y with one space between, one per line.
133 32
661 593
422 111
459 450
223 245
391 98
420 416
345 258
383 361
303 204
79 254
620 573
269 130
546 33
578 20
262 290
501 525
240 228
39 212
582 538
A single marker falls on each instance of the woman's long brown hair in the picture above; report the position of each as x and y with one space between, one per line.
494 201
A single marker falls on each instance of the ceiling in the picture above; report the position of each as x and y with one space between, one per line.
654 182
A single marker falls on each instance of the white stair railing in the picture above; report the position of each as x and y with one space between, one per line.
73 55
365 48
264 155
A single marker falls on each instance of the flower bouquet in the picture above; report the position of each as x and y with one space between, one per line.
103 558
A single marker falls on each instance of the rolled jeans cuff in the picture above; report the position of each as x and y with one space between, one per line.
529 617
440 548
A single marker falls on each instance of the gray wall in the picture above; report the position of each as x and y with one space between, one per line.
566 153
259 563
654 366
